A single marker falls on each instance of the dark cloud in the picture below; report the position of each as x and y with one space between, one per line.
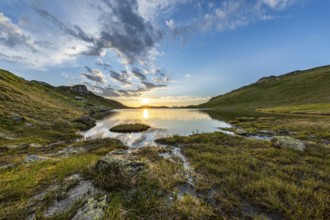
136 72
11 36
122 78
94 75
150 85
123 30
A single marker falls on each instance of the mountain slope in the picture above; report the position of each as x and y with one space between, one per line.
41 104
296 88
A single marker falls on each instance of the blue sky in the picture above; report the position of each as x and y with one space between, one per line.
174 52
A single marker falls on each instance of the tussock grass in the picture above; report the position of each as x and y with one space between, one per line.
239 171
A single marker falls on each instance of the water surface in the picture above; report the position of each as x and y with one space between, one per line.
163 123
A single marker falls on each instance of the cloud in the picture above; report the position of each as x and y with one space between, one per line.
12 36
138 74
170 24
94 75
122 78
150 85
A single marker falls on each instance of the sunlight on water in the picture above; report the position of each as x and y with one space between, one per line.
163 122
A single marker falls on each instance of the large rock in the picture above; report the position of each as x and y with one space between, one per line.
86 120
120 161
288 142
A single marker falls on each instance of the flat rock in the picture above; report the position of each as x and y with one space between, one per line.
288 142
33 158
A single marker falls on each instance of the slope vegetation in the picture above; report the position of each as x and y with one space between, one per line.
298 88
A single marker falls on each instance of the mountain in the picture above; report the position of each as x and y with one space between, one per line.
308 89
39 103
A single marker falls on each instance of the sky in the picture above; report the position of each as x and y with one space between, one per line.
172 52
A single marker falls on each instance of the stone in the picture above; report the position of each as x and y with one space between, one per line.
18 118
120 161
79 89
35 145
33 158
70 150
79 98
27 124
288 142
325 142
86 120
7 166
92 209
266 132
241 131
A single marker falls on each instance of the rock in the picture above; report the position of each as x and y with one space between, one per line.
6 166
34 145
33 158
70 150
241 131
18 118
79 98
79 89
120 161
86 120
325 142
288 142
267 132
18 146
27 124
92 209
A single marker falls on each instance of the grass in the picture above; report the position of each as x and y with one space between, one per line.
130 128
249 173
19 184
313 109
296 88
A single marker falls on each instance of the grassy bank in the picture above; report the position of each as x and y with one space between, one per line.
240 175
130 128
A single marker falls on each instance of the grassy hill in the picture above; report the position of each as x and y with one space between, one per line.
298 91
43 106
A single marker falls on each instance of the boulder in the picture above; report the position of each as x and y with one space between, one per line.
120 161
288 142
86 120
92 209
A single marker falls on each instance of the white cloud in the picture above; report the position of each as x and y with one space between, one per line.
170 24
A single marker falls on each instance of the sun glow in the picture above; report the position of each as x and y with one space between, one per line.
145 101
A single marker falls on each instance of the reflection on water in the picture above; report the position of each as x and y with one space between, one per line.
163 123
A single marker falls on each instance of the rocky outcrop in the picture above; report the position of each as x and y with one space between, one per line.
288 142
79 89
86 120
241 131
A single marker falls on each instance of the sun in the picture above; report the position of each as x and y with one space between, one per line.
145 101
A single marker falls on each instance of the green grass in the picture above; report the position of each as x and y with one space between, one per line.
241 171
314 109
130 128
19 184
296 88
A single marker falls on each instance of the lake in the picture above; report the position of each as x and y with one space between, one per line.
163 123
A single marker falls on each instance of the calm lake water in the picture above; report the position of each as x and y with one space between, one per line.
163 123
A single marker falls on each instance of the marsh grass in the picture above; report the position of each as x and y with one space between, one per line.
285 182
130 128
